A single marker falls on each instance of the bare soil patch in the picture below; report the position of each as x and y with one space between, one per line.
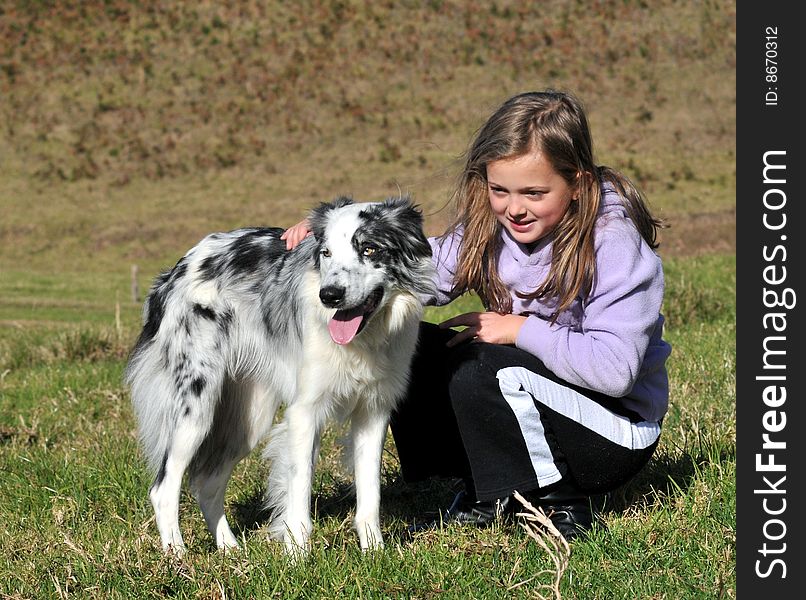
695 234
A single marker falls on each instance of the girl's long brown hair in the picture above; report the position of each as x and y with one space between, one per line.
553 123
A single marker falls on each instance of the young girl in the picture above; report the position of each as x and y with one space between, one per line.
559 388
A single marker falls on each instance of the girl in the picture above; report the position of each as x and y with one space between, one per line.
559 388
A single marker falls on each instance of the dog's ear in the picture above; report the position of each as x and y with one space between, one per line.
403 209
405 216
402 203
320 215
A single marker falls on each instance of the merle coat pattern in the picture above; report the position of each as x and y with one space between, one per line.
241 326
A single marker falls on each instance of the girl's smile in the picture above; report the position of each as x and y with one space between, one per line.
527 196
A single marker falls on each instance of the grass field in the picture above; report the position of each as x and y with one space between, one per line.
129 130
77 522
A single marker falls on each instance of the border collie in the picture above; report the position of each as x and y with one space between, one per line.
241 326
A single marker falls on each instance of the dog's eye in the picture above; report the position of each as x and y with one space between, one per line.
369 251
325 252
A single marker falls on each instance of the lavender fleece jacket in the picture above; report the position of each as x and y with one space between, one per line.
609 341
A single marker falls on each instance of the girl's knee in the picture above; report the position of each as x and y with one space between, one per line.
470 362
473 377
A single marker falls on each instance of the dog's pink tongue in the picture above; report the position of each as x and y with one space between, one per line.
344 325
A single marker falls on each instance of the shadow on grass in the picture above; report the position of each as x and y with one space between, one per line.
402 504
666 475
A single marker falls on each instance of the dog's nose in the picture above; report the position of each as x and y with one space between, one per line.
332 295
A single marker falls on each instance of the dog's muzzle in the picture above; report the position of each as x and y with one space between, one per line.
346 323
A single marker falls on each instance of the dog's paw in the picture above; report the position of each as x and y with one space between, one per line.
296 551
175 549
370 537
229 548
226 541
296 542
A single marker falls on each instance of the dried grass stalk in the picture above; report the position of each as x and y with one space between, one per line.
540 528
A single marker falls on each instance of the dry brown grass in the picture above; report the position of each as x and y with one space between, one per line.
540 528
132 129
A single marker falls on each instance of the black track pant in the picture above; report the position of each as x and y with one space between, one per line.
495 414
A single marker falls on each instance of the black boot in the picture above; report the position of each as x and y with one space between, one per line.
466 510
568 509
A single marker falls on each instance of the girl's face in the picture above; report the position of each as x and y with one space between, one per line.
527 196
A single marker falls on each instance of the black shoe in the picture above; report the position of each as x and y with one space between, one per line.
572 520
571 514
466 511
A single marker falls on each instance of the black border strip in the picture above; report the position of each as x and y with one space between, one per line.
771 111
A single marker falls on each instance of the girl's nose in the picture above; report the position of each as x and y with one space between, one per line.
516 207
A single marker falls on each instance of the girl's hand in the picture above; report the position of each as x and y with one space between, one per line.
485 327
295 234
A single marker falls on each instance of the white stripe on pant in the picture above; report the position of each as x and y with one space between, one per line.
520 387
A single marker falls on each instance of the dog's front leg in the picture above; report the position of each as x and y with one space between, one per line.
303 433
368 436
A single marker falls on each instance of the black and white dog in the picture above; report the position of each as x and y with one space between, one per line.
241 326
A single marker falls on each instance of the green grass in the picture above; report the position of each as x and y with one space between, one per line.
76 521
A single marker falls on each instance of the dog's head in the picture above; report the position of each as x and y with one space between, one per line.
366 253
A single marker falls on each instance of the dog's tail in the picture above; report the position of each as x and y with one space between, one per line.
156 414
176 388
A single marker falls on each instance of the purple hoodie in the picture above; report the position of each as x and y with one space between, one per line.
609 341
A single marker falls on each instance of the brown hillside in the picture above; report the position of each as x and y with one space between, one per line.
131 129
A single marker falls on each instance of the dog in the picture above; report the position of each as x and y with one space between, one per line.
240 326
